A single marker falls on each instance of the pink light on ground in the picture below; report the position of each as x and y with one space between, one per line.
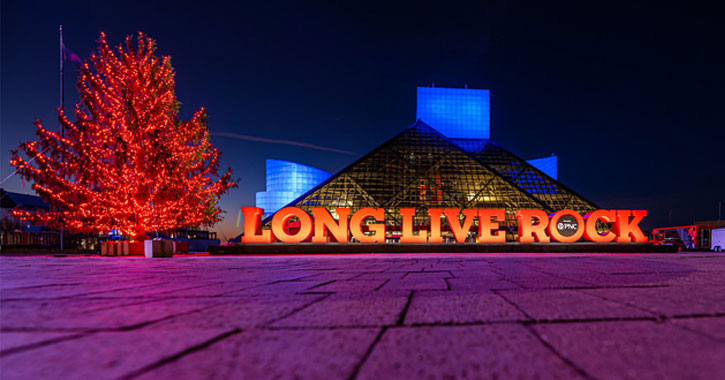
364 316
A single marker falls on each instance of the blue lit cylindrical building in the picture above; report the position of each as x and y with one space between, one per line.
285 181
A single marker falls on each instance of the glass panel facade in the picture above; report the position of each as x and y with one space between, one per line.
533 181
470 145
421 168
455 112
286 181
547 165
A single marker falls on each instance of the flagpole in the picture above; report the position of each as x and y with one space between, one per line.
60 29
61 76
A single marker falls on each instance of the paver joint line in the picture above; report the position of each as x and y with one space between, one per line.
27 347
558 354
298 309
630 304
41 286
367 354
75 295
699 315
429 271
543 321
179 355
524 312
383 284
322 284
698 332
401 318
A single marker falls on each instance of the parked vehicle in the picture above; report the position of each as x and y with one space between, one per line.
693 237
718 239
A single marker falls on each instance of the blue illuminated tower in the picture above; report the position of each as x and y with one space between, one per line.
286 181
462 115
455 112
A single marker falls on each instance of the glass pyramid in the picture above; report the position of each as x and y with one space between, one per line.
421 168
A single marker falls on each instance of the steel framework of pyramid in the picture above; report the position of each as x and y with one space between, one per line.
421 168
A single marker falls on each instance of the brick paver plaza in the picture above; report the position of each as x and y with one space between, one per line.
637 316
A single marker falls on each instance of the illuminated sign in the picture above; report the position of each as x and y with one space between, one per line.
565 226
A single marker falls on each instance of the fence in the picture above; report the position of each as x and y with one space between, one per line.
45 239
30 239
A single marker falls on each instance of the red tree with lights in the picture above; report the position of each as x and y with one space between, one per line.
128 162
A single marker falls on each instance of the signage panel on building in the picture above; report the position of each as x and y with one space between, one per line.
367 225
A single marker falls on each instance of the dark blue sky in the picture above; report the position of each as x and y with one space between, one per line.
630 96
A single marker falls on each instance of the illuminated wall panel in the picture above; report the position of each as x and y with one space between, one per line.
455 112
272 201
547 165
286 181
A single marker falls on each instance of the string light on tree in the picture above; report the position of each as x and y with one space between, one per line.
127 162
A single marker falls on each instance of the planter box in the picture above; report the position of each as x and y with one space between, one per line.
181 247
122 248
132 248
158 248
110 248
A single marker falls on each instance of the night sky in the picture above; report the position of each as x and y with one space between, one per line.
629 96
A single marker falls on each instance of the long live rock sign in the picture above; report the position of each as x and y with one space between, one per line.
565 226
